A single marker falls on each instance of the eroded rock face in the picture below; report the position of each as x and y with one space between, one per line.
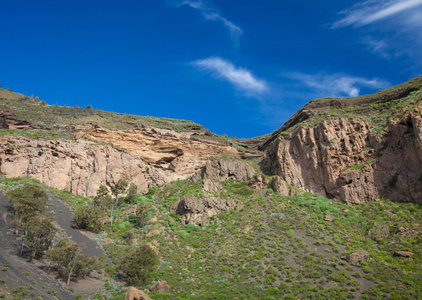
343 160
197 211
228 169
79 167
211 186
176 154
146 156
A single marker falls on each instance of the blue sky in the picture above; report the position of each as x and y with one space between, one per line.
238 67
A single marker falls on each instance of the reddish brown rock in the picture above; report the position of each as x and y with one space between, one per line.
280 186
257 182
329 218
281 206
341 158
358 256
135 294
401 229
161 286
403 253
146 156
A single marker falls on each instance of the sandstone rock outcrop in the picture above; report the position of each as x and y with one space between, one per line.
79 167
176 154
342 159
147 157
197 211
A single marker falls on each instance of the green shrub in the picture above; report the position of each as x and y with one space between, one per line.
139 266
89 217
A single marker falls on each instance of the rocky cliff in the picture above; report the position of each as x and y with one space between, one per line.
146 156
341 158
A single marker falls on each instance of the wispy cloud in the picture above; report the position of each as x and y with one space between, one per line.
241 78
377 46
338 85
367 12
389 28
213 15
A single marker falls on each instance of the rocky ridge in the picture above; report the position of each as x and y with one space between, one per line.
344 157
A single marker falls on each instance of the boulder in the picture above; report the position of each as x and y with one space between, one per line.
280 186
358 256
211 186
403 253
197 211
281 206
135 294
161 286
379 231
329 218
256 182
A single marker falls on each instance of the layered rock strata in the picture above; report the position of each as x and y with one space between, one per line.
146 157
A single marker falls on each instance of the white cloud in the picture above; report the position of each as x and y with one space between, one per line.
338 85
239 77
377 46
390 28
213 15
367 12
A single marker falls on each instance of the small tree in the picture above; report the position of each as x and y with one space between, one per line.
139 265
119 188
132 193
39 235
26 202
28 205
70 260
141 213
102 199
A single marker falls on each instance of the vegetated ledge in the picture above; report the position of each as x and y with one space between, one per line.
320 107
